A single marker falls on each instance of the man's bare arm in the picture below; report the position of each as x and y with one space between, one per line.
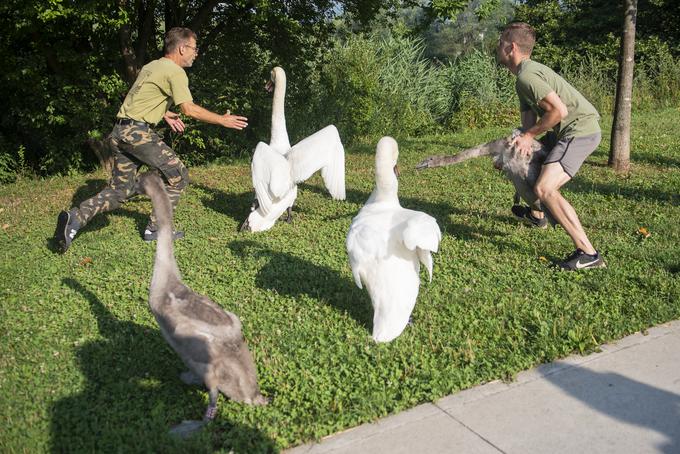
555 111
199 113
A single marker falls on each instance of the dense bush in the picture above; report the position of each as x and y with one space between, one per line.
483 93
382 85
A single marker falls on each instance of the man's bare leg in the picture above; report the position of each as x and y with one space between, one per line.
552 178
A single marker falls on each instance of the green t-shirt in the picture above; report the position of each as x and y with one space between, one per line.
160 84
535 81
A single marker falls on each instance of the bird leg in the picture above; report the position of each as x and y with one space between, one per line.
289 218
188 428
211 411
245 227
516 199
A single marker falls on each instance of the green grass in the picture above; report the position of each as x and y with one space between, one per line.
83 366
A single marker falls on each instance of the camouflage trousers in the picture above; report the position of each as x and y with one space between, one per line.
132 147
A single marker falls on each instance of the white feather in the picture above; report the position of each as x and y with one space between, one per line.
271 177
386 244
278 167
323 151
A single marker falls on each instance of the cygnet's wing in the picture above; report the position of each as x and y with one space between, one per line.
271 176
194 325
365 246
323 151
422 234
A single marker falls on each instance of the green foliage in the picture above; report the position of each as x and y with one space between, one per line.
68 66
447 40
569 29
84 368
375 86
59 81
483 93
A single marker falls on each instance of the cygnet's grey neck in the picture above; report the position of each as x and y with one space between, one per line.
165 268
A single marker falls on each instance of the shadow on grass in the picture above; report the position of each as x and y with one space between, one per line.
91 188
442 213
236 206
132 394
626 400
99 222
293 276
625 190
655 160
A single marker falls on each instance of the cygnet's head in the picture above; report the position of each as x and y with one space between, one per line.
278 75
387 154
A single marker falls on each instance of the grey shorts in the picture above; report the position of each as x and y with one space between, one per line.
570 152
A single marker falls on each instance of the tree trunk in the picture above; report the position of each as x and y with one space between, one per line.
619 153
102 150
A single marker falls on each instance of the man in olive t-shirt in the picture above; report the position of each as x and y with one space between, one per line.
550 104
160 84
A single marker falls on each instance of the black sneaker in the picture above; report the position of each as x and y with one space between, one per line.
579 260
524 213
67 228
152 235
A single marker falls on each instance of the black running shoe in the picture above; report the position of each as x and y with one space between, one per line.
152 235
67 228
524 213
579 260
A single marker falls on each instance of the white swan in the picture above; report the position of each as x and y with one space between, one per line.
277 168
386 244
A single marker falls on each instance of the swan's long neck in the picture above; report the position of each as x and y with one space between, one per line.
279 134
165 268
386 184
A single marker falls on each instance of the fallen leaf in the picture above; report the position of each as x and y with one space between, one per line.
86 261
5 226
644 232
542 259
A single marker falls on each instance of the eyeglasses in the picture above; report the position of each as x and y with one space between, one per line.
194 48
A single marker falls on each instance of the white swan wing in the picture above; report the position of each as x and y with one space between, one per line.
323 151
365 247
393 287
382 263
271 176
422 234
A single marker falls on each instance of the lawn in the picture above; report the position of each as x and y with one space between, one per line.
84 368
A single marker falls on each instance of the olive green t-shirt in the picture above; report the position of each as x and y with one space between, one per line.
535 81
160 84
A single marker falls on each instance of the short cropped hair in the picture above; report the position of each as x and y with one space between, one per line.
176 37
521 34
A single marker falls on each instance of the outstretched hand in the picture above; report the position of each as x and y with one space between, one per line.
523 144
234 121
174 121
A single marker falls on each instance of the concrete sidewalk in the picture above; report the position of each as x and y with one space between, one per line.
624 399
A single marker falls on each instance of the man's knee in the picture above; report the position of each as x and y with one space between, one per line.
545 192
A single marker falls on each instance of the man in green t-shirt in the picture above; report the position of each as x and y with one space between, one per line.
549 104
160 84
